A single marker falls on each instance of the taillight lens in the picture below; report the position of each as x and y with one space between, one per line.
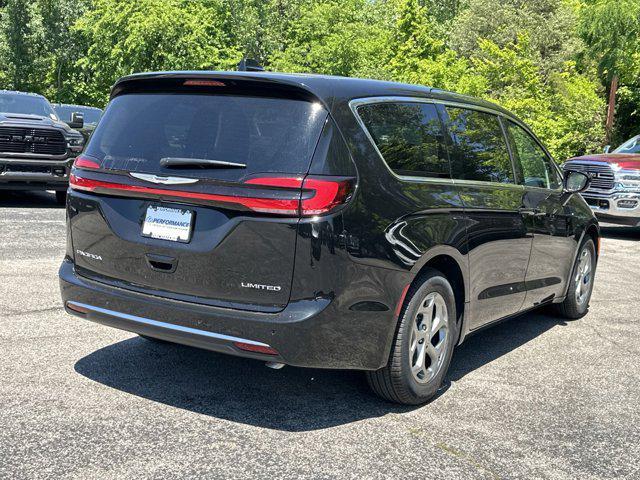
84 162
311 196
328 194
319 195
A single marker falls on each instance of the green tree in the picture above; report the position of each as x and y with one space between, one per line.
338 37
126 37
550 26
564 108
61 46
418 55
20 34
611 29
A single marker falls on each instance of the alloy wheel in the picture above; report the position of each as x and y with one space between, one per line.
583 277
428 345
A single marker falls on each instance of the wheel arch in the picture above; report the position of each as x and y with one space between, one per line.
454 266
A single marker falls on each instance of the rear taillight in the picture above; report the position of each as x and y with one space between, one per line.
84 162
288 196
328 194
319 195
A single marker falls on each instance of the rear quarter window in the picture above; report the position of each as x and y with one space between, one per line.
409 137
269 135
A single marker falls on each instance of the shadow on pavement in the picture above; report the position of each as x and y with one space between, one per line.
28 199
620 232
492 343
291 399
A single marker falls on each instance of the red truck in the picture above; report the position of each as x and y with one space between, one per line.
614 192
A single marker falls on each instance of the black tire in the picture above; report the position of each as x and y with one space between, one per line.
396 382
570 307
61 197
153 339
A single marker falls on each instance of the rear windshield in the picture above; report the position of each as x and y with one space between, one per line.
270 135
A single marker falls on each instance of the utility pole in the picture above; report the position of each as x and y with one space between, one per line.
612 107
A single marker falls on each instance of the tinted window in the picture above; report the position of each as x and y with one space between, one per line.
479 147
27 104
630 146
267 134
409 137
534 166
91 115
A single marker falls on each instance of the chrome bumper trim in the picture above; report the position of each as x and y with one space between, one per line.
168 326
614 210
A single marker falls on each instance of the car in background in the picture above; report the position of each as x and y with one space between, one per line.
614 192
36 147
320 222
91 116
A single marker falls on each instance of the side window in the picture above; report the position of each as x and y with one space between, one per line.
479 147
532 163
409 137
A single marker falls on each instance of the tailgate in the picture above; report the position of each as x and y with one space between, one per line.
216 223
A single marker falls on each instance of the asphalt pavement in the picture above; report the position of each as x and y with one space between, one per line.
535 397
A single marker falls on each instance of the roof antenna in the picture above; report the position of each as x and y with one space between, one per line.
249 65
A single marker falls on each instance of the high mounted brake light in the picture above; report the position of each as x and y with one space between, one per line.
203 83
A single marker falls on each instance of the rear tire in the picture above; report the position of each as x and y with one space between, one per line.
61 197
576 303
423 345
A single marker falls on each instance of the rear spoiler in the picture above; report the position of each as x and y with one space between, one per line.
236 83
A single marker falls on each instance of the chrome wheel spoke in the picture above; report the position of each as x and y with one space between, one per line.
583 278
439 322
430 322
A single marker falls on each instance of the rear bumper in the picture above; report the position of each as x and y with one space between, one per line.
615 207
310 333
29 174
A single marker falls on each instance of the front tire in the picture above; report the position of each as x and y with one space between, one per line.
576 303
423 346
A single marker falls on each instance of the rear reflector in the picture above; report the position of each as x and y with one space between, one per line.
84 162
76 308
249 347
401 300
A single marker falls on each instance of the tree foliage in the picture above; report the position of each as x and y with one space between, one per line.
547 60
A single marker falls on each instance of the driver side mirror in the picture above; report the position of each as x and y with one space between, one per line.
607 148
77 120
575 182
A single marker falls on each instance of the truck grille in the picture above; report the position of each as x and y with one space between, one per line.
32 140
601 174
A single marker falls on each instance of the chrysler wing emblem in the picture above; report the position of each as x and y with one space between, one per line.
149 177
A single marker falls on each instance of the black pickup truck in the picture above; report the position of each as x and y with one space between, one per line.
36 148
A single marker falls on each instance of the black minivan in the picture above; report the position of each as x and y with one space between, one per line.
320 222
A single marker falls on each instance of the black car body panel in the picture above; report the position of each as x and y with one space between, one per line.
36 150
342 275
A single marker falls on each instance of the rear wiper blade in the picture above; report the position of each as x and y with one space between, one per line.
185 162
